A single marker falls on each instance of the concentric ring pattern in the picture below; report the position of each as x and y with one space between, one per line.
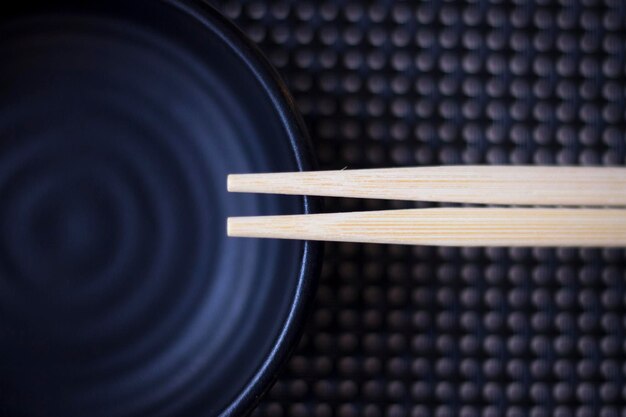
119 292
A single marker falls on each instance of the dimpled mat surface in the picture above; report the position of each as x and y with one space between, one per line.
426 332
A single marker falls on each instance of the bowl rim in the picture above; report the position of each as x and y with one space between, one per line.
295 128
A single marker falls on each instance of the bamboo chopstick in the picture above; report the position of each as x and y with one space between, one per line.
447 227
518 185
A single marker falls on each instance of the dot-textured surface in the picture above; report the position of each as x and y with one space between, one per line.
442 332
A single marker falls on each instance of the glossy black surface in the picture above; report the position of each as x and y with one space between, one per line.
119 293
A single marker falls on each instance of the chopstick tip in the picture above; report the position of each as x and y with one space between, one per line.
229 227
240 183
237 227
229 183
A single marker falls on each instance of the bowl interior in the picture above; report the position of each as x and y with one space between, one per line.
119 293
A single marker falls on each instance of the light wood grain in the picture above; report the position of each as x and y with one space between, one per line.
517 185
447 227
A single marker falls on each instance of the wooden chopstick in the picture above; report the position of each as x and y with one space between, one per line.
517 185
447 227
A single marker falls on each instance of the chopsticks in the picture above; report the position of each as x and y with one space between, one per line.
447 227
459 226
517 185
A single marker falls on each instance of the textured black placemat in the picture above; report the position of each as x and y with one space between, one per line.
421 331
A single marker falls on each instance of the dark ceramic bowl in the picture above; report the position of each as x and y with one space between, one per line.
120 294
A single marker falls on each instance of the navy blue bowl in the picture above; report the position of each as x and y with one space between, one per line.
120 294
